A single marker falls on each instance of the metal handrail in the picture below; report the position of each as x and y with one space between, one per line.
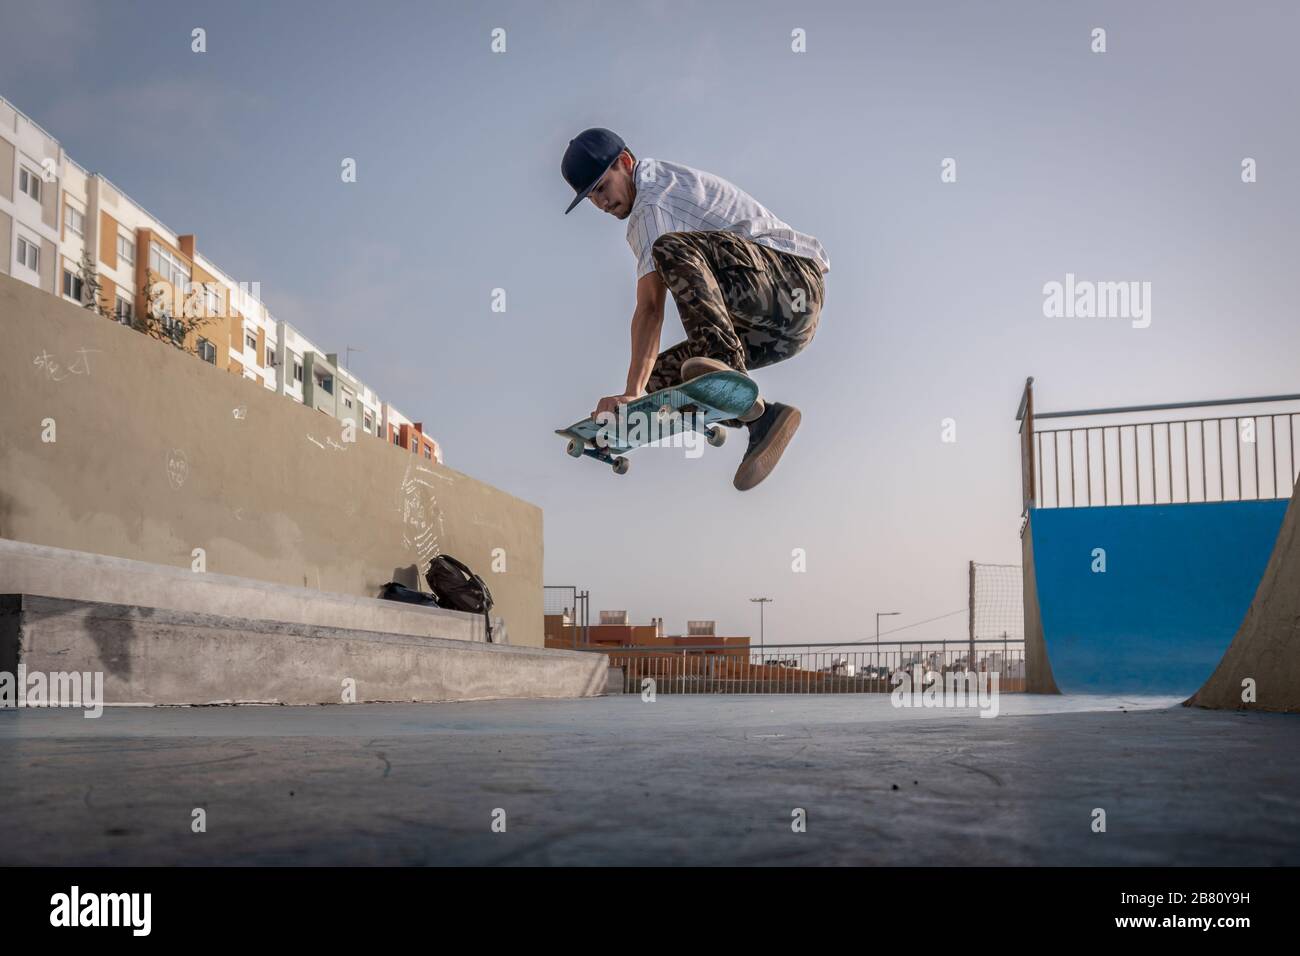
1259 400
1170 421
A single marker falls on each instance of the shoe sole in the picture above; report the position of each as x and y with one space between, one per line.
763 463
707 370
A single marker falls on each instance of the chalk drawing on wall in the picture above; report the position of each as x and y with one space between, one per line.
178 467
422 524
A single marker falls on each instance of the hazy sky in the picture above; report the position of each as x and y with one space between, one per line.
1122 166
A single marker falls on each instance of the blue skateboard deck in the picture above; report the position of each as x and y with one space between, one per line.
696 405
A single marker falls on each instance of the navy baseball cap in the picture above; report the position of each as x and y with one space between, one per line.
589 156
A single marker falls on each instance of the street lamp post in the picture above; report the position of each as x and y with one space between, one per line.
760 601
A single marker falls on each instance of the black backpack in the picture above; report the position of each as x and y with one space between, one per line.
456 587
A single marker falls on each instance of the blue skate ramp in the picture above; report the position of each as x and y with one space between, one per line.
1178 580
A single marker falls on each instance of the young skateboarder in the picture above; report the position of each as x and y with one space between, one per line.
749 288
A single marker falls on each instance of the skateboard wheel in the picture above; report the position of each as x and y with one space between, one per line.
574 448
621 465
715 435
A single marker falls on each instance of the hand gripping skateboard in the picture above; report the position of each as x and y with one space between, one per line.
696 405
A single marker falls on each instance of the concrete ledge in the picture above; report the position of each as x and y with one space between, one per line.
269 488
160 656
82 576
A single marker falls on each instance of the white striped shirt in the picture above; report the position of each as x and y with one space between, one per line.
675 198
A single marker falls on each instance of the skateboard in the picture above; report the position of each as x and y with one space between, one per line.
696 405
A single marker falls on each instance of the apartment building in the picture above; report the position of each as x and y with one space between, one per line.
54 214
401 431
30 159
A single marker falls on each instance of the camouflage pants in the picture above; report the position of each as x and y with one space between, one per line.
741 303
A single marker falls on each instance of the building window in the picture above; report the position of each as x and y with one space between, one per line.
125 250
72 286
124 310
428 453
207 351
250 341
397 440
370 422
297 370
168 266
74 220
211 300
347 400
29 183
28 254
270 357
172 328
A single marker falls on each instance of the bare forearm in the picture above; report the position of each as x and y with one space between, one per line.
646 326
647 323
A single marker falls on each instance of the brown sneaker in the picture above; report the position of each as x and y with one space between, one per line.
768 436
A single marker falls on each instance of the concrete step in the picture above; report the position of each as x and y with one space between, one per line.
81 575
149 655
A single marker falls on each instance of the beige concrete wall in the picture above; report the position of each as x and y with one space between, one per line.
108 240
49 201
6 170
48 266
157 453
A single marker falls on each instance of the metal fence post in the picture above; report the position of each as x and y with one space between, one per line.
970 605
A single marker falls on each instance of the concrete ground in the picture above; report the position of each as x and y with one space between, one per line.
681 780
